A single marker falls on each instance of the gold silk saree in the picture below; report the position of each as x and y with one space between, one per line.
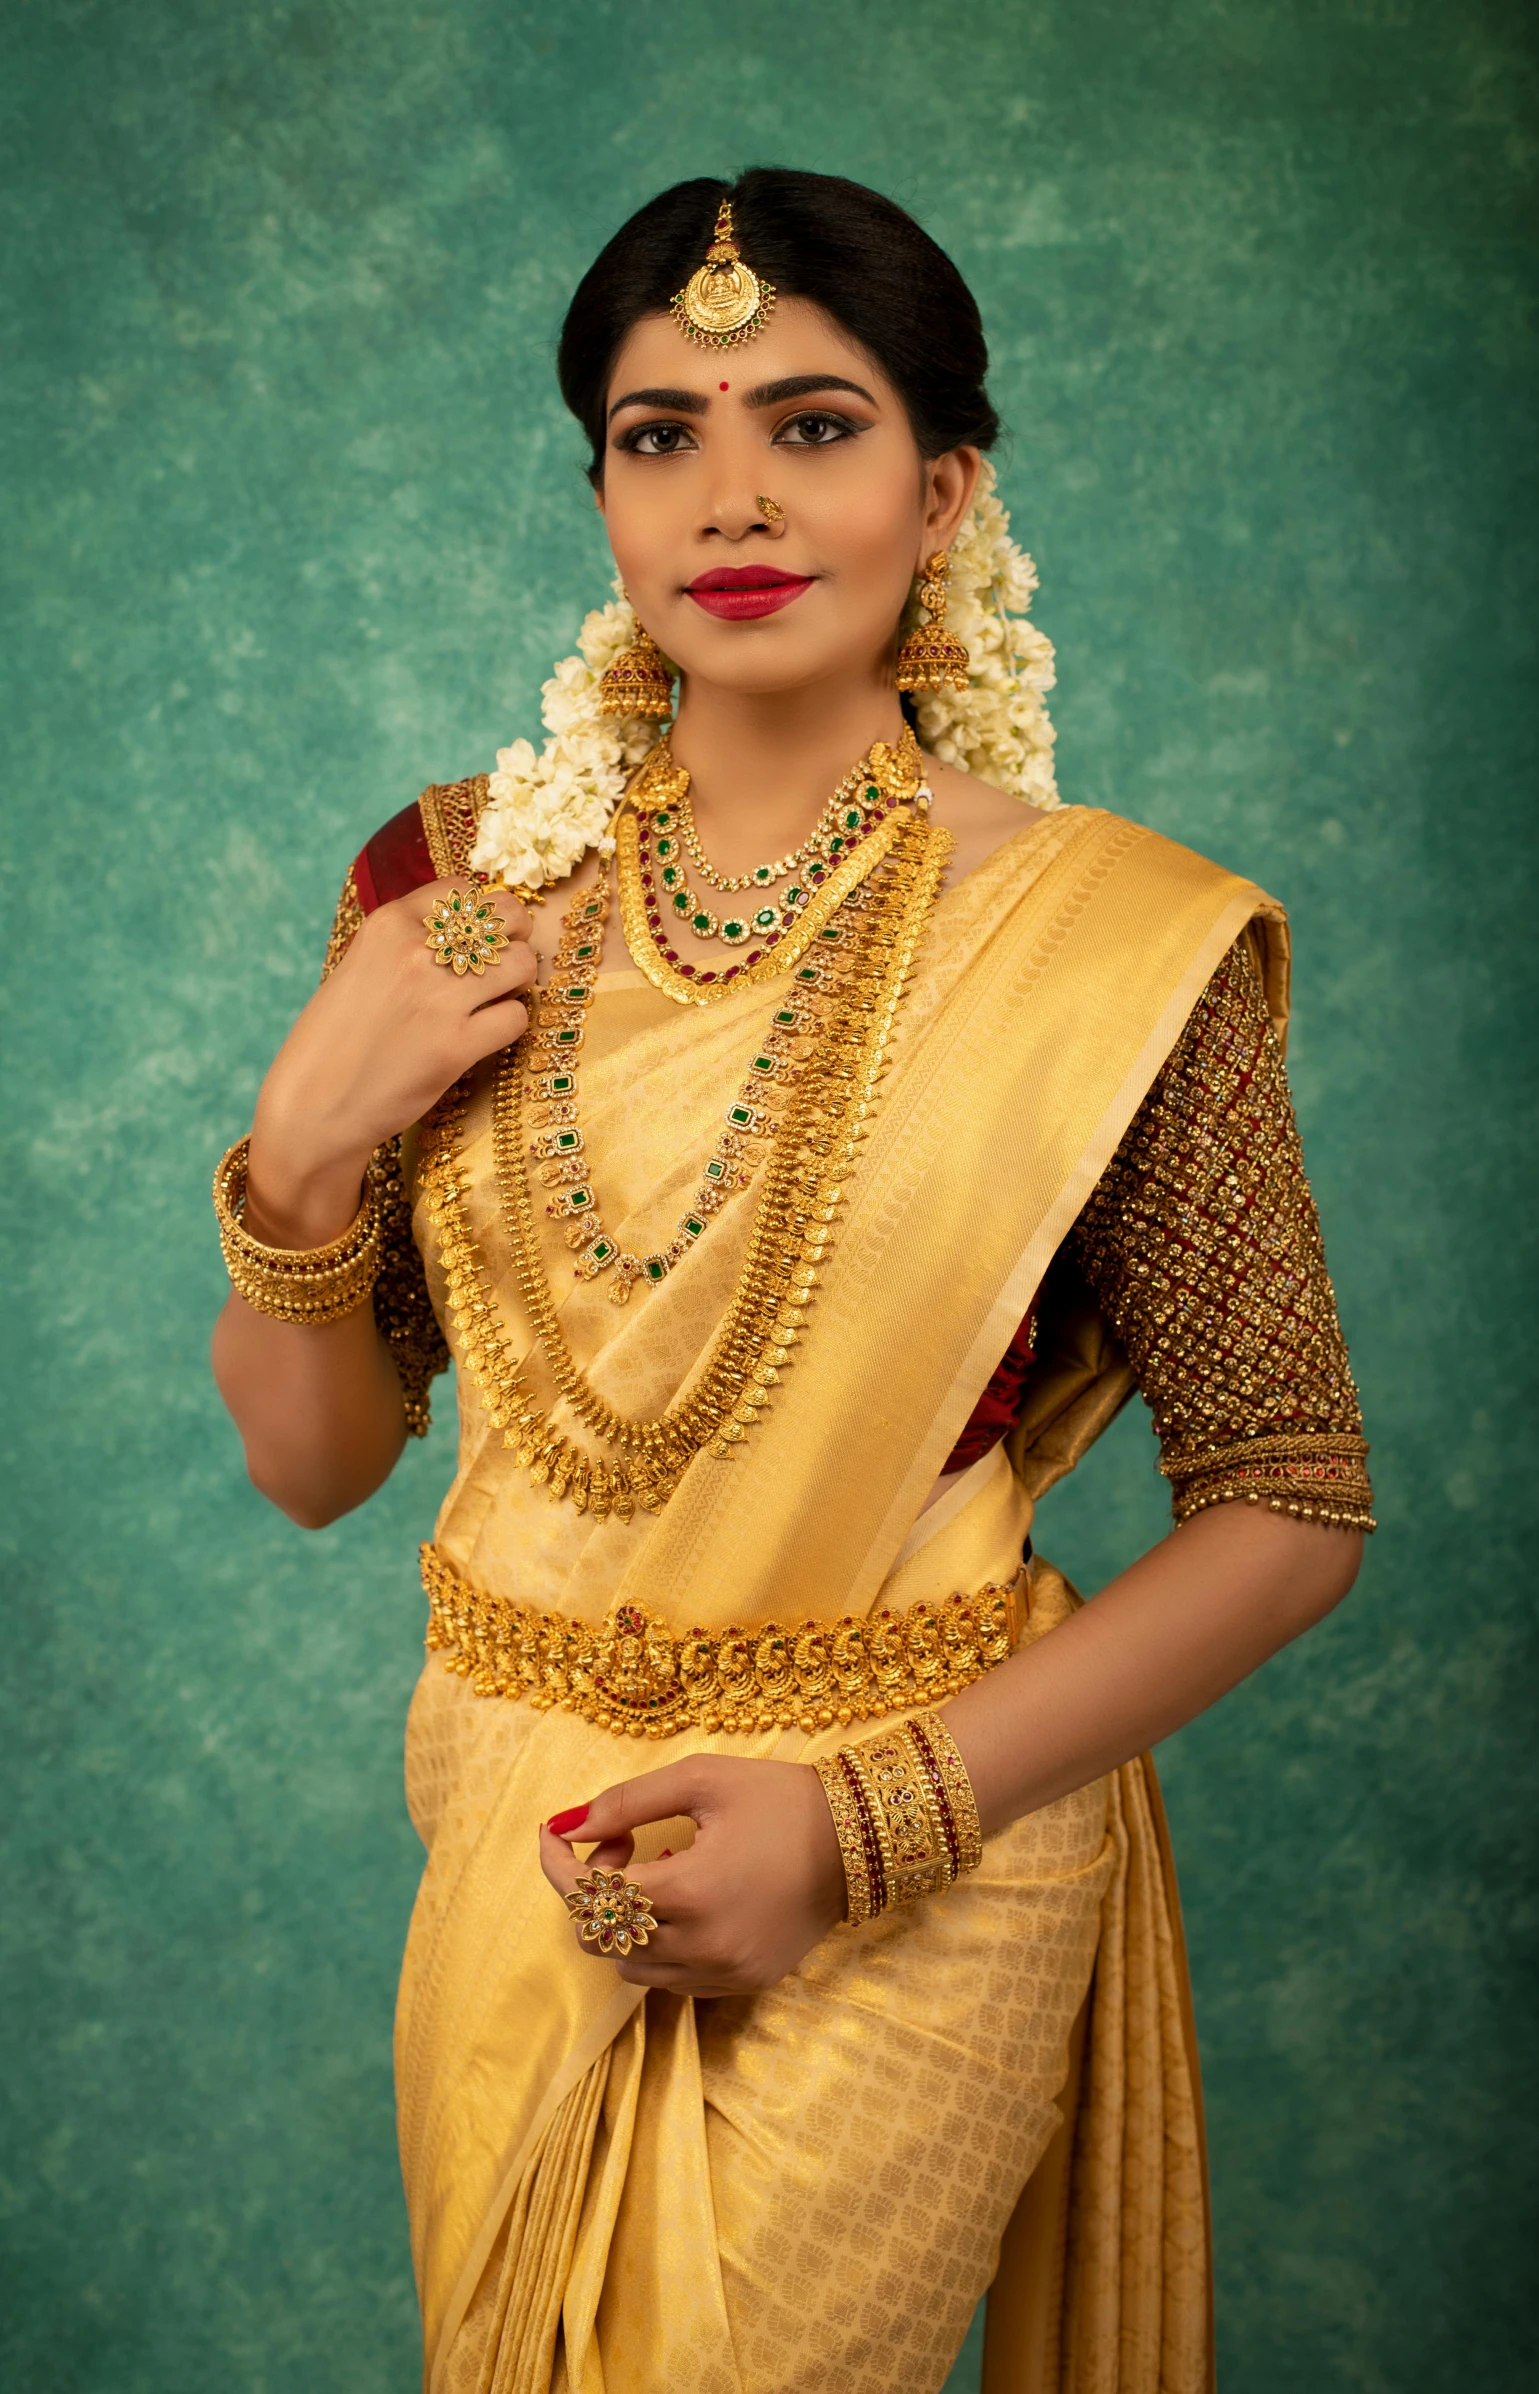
616 2192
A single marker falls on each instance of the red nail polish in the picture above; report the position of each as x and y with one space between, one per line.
563 1822
666 1855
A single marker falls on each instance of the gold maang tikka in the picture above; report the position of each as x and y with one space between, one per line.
724 301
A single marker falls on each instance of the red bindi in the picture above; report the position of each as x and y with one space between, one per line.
724 386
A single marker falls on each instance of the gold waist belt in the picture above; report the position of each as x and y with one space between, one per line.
638 1677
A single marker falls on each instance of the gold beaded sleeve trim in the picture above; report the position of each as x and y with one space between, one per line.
1203 1246
347 920
403 1310
635 1676
451 813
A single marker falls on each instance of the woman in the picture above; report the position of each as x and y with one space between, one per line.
794 1224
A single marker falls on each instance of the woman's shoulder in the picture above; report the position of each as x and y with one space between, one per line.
426 841
991 828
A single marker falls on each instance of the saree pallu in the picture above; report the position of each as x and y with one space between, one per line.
811 2187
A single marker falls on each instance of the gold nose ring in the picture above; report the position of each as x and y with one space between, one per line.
772 511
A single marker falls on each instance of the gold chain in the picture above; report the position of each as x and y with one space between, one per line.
799 860
810 1160
889 775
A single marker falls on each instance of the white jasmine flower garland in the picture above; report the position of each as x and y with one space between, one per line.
544 812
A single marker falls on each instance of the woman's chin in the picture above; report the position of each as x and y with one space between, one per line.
756 668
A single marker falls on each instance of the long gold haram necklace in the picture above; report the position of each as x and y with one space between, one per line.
552 1064
810 1160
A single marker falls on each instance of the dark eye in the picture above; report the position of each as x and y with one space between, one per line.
657 440
815 430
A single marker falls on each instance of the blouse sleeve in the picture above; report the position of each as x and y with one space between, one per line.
403 1311
1203 1248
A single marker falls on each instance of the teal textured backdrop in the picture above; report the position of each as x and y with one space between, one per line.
293 523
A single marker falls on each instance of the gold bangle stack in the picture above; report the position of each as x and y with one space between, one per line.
296 1284
904 1814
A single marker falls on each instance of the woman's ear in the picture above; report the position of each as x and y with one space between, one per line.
950 481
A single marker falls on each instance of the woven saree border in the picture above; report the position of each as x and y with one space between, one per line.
635 1676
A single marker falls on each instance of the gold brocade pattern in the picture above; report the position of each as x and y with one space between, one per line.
1203 1246
632 1674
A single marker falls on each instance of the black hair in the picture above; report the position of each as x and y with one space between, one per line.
854 254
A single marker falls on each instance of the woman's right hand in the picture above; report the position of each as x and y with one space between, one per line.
377 1045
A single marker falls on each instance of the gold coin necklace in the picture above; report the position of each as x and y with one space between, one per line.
810 1157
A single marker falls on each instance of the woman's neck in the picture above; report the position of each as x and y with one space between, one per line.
762 765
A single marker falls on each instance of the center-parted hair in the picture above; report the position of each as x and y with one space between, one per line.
857 256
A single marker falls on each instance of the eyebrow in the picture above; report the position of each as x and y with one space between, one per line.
800 386
687 403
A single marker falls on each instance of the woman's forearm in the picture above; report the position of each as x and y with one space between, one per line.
1161 1643
319 1410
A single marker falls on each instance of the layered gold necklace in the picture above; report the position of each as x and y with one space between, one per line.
809 1113
655 831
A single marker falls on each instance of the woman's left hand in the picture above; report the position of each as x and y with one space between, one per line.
762 1883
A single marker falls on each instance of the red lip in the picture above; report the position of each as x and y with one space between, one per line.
738 593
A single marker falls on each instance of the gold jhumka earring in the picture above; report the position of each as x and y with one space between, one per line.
638 682
724 301
933 658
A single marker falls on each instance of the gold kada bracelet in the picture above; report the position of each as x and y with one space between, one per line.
296 1284
904 1814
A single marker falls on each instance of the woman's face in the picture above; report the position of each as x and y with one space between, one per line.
803 417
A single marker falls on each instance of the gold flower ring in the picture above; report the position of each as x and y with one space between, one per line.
610 1911
465 931
772 511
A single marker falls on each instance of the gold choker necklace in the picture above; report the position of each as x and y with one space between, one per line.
653 886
